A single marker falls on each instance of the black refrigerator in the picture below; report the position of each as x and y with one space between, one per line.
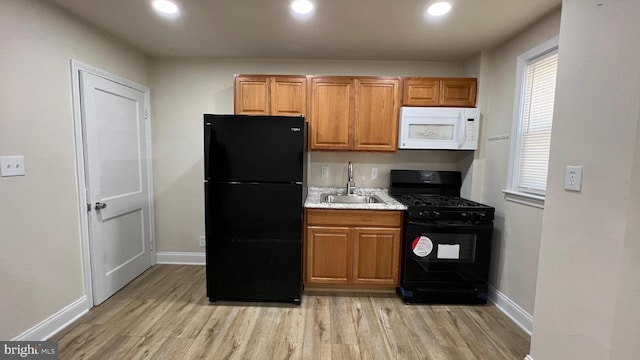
254 185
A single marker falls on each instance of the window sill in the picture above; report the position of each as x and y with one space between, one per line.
524 198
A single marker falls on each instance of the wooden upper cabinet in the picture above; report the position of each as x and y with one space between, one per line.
458 92
251 95
289 95
376 256
350 113
331 113
453 92
420 92
270 95
376 114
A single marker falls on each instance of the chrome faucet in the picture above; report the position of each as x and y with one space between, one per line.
351 185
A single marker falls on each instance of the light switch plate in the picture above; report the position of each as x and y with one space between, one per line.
324 171
374 173
12 165
573 178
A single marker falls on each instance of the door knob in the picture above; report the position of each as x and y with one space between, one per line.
100 205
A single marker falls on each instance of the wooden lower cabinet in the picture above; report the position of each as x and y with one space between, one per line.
360 253
329 254
376 256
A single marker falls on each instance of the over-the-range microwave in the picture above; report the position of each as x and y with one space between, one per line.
439 128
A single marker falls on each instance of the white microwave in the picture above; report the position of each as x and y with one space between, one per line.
439 128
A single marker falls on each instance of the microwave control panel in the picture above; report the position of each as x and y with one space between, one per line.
470 130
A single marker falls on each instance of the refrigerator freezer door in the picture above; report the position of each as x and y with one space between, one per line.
254 148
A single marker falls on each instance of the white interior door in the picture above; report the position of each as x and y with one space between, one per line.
117 177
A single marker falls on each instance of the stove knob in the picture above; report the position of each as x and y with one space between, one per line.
435 214
464 215
421 213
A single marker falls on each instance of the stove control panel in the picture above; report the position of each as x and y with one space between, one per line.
450 215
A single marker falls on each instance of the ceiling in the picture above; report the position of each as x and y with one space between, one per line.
339 29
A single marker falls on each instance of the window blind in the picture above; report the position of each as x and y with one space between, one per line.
537 116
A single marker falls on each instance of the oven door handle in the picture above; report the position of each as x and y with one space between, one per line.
431 224
461 224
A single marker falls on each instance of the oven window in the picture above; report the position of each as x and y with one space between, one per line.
444 247
431 132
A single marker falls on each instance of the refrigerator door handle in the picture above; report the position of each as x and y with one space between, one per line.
207 149
208 226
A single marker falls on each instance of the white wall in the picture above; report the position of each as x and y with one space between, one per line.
184 89
517 227
587 296
627 317
40 260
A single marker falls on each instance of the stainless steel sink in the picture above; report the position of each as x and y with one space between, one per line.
350 199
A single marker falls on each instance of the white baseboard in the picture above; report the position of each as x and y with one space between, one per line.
528 357
180 258
56 322
512 310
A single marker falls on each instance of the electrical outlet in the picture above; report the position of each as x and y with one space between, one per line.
374 173
324 171
203 241
573 178
12 165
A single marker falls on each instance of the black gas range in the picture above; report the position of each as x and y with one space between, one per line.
446 241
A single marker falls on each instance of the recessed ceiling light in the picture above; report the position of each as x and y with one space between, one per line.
439 8
302 7
166 7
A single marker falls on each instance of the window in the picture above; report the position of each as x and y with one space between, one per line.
533 116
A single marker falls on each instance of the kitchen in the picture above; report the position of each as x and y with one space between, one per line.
205 85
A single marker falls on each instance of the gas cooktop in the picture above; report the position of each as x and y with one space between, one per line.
435 195
432 200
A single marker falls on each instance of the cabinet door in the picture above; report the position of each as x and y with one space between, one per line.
331 113
420 92
328 255
289 95
376 258
458 92
251 95
376 115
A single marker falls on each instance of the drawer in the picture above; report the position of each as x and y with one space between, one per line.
376 218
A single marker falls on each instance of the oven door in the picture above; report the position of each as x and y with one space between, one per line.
446 253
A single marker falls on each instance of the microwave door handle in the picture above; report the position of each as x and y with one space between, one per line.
462 129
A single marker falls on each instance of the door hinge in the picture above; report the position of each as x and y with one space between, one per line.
88 207
146 114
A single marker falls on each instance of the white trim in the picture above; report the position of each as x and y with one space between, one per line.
152 201
76 67
516 127
82 185
528 357
524 198
519 316
56 322
180 258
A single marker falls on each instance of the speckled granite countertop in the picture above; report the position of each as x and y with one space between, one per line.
313 199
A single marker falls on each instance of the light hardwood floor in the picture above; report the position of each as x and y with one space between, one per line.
165 314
